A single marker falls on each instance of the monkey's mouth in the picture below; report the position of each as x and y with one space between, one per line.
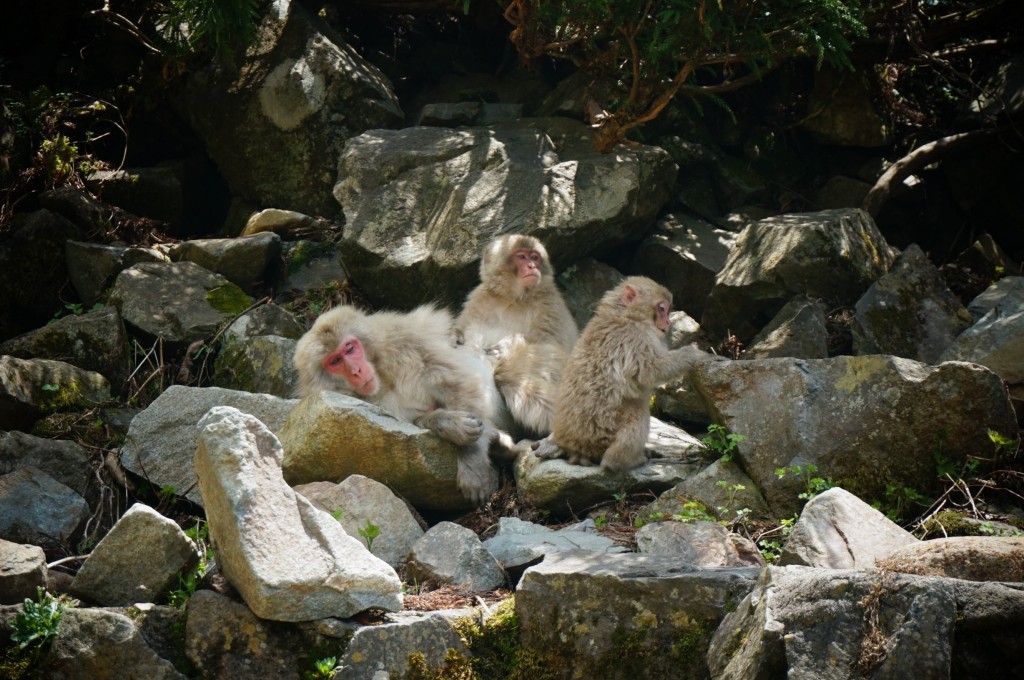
368 388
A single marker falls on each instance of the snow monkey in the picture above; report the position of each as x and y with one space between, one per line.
405 363
518 319
602 412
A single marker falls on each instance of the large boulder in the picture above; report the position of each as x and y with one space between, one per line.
160 445
909 312
562 488
137 561
801 622
33 388
180 302
839 531
862 422
329 436
94 341
275 120
288 559
833 255
997 339
585 613
420 203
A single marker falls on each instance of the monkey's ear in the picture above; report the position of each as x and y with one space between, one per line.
629 295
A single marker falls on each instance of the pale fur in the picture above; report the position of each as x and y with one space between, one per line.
423 380
602 410
526 332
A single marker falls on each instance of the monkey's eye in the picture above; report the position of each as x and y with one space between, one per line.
333 360
662 308
535 257
349 347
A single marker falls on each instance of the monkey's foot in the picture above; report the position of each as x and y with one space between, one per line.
476 477
548 449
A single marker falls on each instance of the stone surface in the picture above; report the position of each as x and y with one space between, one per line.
583 613
93 341
97 643
329 436
260 364
289 560
996 340
837 530
863 422
702 544
22 571
245 262
802 622
138 560
834 255
36 509
275 119
972 558
561 488
180 302
32 388
161 440
451 554
684 254
909 312
518 543
420 203
66 461
361 501
798 330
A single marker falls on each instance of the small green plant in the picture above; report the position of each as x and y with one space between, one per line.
693 511
1004 446
601 521
76 309
38 622
812 485
50 387
324 669
338 513
721 442
189 580
369 531
771 542
58 155
730 502
899 498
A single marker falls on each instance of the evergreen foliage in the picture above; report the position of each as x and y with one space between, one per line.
654 48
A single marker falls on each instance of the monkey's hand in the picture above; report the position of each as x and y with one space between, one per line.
458 427
548 449
476 477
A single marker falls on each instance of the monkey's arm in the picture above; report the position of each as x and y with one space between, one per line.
673 363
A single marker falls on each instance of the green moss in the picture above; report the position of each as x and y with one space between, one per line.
59 397
229 299
304 251
16 664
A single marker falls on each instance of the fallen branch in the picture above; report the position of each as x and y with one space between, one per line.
914 161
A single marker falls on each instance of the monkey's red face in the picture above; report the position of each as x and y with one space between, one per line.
349 362
528 262
661 320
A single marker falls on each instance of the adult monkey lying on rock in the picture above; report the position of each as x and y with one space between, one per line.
602 410
518 319
405 363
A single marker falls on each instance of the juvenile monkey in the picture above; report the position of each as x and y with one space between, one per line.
517 317
405 363
602 407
